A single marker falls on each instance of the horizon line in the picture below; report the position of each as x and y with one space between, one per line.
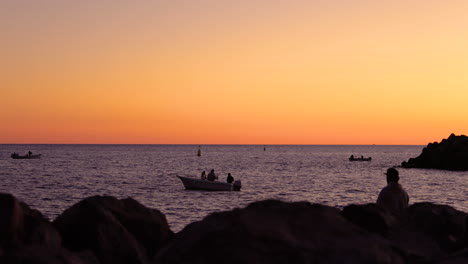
212 144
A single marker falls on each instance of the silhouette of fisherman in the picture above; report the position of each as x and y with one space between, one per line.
229 178
393 197
211 176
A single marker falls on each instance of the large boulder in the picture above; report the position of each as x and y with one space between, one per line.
431 231
116 231
37 254
460 257
449 154
370 217
375 219
27 237
21 226
442 223
435 233
272 231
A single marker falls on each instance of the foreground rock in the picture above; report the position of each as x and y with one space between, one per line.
371 218
21 225
103 229
449 154
97 230
278 232
432 232
115 231
26 236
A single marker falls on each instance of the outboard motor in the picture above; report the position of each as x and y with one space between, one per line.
237 185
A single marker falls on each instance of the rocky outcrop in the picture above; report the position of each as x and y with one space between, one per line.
430 232
26 236
449 154
97 230
103 229
370 217
21 225
115 231
442 223
279 232
37 254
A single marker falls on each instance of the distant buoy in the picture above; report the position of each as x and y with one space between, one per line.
199 152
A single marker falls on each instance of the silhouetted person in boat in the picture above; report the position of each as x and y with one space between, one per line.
229 178
393 197
211 176
29 153
352 157
203 175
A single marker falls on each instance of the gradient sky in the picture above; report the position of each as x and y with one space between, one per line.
233 72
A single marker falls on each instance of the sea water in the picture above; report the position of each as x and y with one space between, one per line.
315 173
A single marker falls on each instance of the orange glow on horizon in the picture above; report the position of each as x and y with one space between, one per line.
223 72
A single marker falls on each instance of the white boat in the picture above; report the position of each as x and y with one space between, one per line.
199 184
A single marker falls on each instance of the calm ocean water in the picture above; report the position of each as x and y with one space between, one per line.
319 174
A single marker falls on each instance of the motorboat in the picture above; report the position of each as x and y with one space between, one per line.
352 158
27 156
199 184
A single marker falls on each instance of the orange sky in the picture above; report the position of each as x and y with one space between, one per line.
233 72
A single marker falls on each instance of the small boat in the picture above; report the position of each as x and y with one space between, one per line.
199 184
352 158
27 156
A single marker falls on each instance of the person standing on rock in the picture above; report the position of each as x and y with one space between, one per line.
393 197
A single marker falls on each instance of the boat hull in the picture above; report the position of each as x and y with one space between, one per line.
360 159
13 156
198 184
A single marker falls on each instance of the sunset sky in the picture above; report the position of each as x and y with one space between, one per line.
233 72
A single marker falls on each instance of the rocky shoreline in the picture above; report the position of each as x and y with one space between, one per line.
449 154
105 230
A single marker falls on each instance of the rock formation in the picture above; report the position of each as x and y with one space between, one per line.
103 229
449 154
279 232
431 231
97 230
26 236
115 231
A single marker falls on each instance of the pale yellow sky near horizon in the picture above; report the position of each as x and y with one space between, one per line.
233 72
